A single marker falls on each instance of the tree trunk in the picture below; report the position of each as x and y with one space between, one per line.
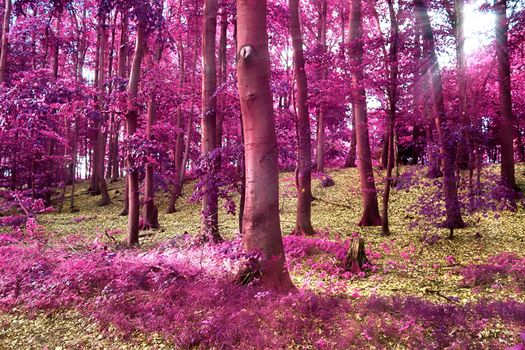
131 119
5 40
179 142
303 172
322 109
222 72
446 141
370 215
464 146
101 136
149 209
392 105
350 159
72 207
355 260
56 47
210 224
506 121
180 167
122 69
261 223
242 170
94 187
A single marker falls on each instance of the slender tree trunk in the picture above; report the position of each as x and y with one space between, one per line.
370 215
186 154
446 141
56 48
101 136
122 70
303 172
112 134
183 147
507 132
261 223
179 144
392 102
5 40
210 223
350 159
464 147
222 72
149 210
132 118
94 187
115 159
322 108
73 167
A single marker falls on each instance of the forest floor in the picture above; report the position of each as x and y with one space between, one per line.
406 263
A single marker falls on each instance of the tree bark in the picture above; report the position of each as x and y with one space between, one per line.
303 172
370 215
149 209
322 108
179 142
5 40
101 136
350 159
261 223
210 220
122 69
222 72
56 48
506 122
392 106
131 119
72 207
446 141
465 155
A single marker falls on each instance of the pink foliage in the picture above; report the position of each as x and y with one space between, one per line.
185 292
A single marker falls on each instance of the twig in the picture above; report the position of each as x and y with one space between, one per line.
332 203
21 204
110 237
439 294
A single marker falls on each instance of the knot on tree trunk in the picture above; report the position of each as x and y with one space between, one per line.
246 52
355 260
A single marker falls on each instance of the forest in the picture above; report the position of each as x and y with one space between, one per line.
253 174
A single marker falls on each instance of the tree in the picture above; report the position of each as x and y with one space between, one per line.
446 140
392 109
149 209
210 220
465 156
122 73
370 216
506 119
5 40
303 172
132 119
99 148
261 223
321 114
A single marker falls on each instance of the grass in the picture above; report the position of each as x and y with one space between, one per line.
337 210
407 266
